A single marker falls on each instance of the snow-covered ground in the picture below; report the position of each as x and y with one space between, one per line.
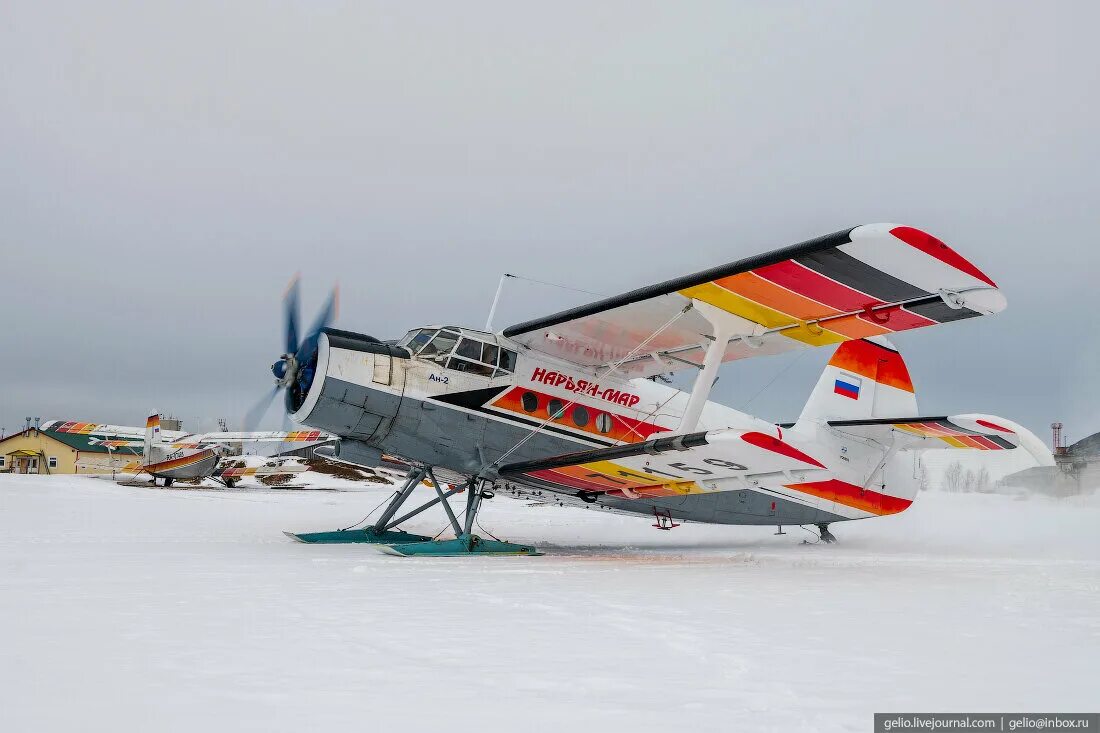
135 609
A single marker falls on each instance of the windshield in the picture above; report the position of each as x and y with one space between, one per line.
414 340
440 346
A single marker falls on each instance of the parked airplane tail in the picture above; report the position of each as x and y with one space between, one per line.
865 379
152 436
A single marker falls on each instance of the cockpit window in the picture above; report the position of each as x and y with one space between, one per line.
469 349
416 339
462 353
469 357
440 346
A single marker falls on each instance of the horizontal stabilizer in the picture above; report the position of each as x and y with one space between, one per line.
968 432
776 463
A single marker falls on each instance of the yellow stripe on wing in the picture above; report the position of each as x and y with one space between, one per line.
750 310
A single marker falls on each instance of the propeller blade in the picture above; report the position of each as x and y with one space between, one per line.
253 416
290 316
327 314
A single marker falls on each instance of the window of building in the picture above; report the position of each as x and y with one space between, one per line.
53 462
2 461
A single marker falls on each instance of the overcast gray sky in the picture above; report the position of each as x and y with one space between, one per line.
166 168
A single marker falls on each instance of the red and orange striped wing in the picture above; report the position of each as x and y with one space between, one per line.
868 281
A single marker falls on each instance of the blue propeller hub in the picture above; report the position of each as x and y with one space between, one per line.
295 369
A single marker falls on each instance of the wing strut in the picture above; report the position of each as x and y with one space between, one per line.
610 369
725 325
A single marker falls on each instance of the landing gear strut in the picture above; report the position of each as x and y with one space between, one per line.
826 536
395 541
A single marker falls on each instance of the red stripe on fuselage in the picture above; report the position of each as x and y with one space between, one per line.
854 496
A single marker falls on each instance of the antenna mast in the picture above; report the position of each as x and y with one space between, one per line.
496 299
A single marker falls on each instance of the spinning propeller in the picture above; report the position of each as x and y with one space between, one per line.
294 370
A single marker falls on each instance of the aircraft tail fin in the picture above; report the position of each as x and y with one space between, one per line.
152 435
865 379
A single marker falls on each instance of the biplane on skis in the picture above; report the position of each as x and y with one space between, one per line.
172 456
567 409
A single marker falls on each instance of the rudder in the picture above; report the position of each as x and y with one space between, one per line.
152 436
866 378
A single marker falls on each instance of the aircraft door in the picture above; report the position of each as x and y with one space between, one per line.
383 369
382 398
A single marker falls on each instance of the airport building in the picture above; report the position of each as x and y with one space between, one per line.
32 450
1076 469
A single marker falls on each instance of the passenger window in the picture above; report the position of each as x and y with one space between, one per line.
440 346
507 360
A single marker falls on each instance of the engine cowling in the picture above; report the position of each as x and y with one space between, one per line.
351 386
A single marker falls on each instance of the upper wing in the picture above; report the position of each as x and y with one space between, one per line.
266 436
123 435
91 428
116 443
868 281
105 430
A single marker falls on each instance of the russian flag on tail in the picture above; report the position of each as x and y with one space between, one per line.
847 386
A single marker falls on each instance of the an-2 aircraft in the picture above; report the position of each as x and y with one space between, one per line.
563 409
173 455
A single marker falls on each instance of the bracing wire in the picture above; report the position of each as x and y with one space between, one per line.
556 285
773 380
611 368
372 511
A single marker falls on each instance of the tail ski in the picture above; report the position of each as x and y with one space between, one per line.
865 379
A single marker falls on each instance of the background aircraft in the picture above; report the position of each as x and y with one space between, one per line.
176 455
